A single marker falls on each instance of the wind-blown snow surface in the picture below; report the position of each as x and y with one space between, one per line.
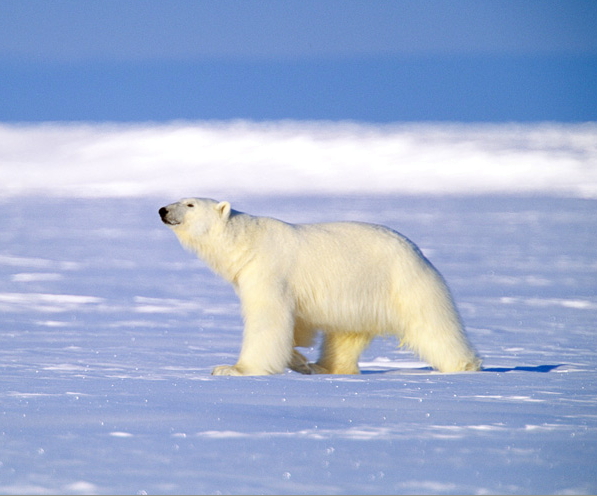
109 331
294 158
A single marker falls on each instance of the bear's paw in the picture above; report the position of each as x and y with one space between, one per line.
226 370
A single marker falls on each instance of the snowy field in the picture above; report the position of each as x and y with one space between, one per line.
109 329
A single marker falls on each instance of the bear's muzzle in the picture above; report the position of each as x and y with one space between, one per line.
165 218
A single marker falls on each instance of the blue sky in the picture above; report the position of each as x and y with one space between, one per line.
367 60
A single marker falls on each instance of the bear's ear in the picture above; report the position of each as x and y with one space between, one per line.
223 209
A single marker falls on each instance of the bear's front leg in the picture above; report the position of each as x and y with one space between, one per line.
268 334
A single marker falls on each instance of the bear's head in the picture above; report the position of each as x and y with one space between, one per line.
194 217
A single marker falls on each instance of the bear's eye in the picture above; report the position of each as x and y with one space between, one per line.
190 205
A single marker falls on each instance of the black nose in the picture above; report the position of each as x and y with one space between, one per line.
163 212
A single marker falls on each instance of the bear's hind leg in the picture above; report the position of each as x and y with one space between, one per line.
429 324
443 344
340 352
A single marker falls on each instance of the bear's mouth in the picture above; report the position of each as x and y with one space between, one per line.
170 222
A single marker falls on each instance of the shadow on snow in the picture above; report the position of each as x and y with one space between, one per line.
427 370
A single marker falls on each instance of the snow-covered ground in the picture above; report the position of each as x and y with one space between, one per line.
109 329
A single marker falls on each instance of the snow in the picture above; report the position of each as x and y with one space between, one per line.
98 160
109 329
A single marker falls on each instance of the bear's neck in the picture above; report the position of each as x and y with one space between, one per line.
224 249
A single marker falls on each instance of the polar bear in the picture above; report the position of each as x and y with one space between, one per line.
351 281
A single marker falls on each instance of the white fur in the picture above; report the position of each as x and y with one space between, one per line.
352 281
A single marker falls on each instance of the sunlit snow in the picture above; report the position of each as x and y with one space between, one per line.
295 158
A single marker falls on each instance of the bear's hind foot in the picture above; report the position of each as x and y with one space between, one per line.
473 365
310 368
299 363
